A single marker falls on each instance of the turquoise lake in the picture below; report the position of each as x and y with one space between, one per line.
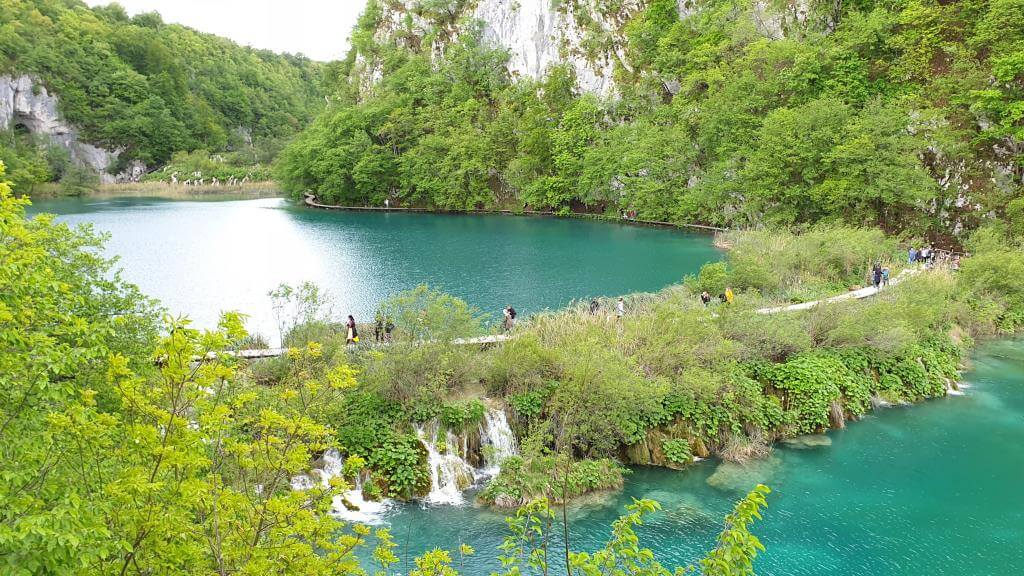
930 489
201 257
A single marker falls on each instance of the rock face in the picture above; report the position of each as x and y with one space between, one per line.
537 35
586 35
26 104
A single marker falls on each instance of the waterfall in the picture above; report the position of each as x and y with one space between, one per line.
497 440
349 505
449 473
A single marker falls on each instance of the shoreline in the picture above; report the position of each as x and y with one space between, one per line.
309 200
261 189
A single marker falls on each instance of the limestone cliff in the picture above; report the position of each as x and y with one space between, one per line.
26 104
587 35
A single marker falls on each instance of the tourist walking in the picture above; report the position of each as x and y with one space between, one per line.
912 255
729 296
885 276
510 318
620 307
705 297
594 306
353 335
876 275
378 327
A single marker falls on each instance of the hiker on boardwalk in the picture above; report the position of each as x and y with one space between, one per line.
510 318
620 307
353 336
729 296
876 275
594 306
378 327
912 255
885 275
705 298
924 254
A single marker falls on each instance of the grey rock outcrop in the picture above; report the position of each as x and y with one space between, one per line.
26 103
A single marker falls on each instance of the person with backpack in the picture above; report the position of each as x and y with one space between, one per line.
876 275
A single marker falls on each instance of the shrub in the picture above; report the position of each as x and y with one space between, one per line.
677 451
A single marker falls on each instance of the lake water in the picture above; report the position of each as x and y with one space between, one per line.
202 257
933 488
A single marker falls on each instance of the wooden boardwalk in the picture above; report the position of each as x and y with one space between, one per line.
851 295
257 354
310 200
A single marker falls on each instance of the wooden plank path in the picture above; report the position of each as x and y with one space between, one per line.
257 354
310 200
852 295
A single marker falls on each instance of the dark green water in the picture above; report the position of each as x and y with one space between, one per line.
201 257
931 489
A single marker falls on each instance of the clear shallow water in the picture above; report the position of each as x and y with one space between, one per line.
201 257
927 489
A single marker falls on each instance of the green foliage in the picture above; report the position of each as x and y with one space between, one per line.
128 452
425 314
459 416
737 546
399 462
78 180
809 386
150 88
677 450
527 549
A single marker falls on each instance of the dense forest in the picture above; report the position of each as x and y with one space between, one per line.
905 114
149 88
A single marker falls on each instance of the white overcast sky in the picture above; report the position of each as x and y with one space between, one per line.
317 28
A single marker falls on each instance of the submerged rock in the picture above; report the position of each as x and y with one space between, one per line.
808 441
735 476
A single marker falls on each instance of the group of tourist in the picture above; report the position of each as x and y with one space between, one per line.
509 318
620 307
382 329
929 257
727 297
879 275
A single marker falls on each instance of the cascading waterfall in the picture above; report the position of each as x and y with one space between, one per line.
449 473
497 440
358 509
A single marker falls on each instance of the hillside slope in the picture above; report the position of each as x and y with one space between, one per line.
144 88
